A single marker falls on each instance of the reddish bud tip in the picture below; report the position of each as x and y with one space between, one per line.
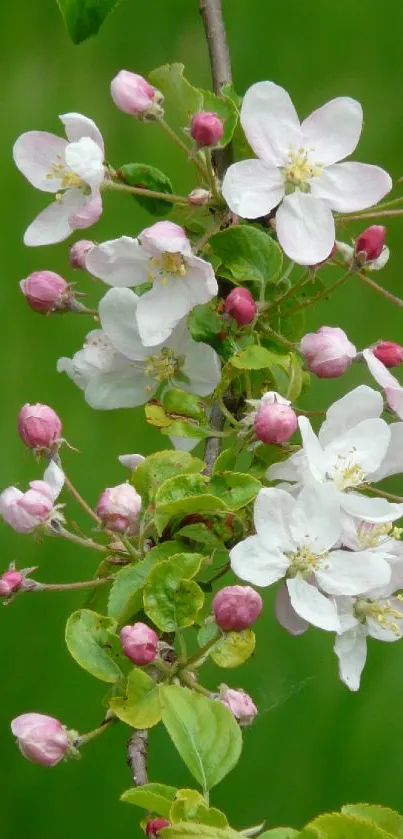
46 292
389 353
41 739
10 582
39 426
153 827
133 95
199 197
236 607
239 703
119 507
206 128
327 352
78 252
139 643
370 243
274 420
240 305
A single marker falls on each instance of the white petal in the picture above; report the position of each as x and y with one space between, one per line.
117 312
125 388
162 308
305 228
119 262
53 224
333 131
272 511
77 126
183 444
361 403
54 476
201 365
252 188
351 650
164 237
378 370
364 446
353 572
89 213
251 561
377 510
311 605
312 450
287 470
270 122
392 463
85 159
380 262
201 279
34 153
131 461
315 519
392 629
286 615
348 187
97 355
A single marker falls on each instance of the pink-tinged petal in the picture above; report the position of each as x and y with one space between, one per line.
286 615
34 154
360 404
311 605
117 312
251 561
164 237
305 228
53 224
43 488
85 159
89 213
270 122
349 573
77 126
125 388
119 262
54 478
333 131
252 188
351 650
349 187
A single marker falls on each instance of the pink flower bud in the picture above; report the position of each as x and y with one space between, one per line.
239 703
328 353
274 420
119 507
199 197
25 511
10 582
133 95
38 426
41 739
78 252
206 128
139 643
241 306
46 292
164 237
389 353
236 607
370 243
153 827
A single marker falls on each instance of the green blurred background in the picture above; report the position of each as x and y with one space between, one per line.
314 745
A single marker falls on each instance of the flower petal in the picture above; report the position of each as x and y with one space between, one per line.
201 364
160 309
312 450
34 154
363 446
117 312
287 470
53 223
391 630
392 463
124 388
77 126
164 237
89 213
361 403
333 131
119 262
305 228
54 476
348 187
251 561
252 188
85 159
201 279
272 511
270 122
315 519
372 509
286 615
351 650
349 573
311 605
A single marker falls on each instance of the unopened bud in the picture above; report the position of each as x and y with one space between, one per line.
206 128
370 244
78 252
38 426
199 197
154 826
25 511
327 352
119 507
131 461
40 738
389 353
139 643
239 703
241 306
46 292
236 607
274 420
10 582
133 95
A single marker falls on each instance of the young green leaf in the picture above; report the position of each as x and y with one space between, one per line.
248 254
171 598
179 94
155 469
157 798
341 826
147 177
234 648
84 18
226 110
89 639
235 489
204 732
186 494
125 598
385 818
141 705
190 805
193 830
256 357
279 833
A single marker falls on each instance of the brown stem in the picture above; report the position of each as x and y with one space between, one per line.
382 494
137 756
379 290
212 17
80 500
212 447
70 586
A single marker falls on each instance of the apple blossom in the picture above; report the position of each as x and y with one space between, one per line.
240 305
236 607
10 582
39 426
117 371
389 353
46 292
298 170
133 95
206 129
239 703
119 507
162 254
274 419
25 511
72 169
78 252
327 352
40 738
139 643
348 253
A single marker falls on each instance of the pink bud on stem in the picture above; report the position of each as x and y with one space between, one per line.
327 352
236 607
133 95
239 703
78 252
241 306
40 738
10 582
389 353
206 128
38 426
119 507
369 244
139 643
274 421
153 827
46 292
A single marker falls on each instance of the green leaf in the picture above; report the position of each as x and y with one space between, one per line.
204 732
192 830
225 460
200 532
125 598
156 416
157 798
234 648
187 428
341 826
141 705
296 379
226 109
89 639
156 468
186 494
178 92
235 489
84 18
148 177
279 833
189 805
204 323
171 598
255 357
248 254
183 404
387 819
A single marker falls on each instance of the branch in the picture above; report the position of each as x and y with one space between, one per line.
212 447
211 14
137 756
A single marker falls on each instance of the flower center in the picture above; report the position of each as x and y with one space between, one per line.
304 562
347 472
168 263
371 535
67 177
382 612
299 171
164 366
